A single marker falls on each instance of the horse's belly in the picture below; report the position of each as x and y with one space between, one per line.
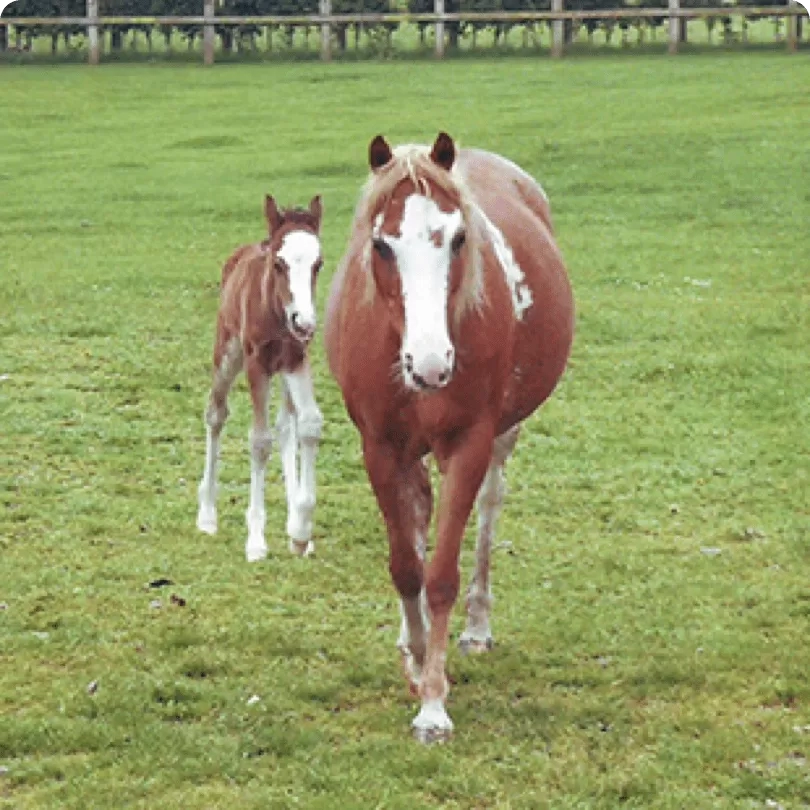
543 339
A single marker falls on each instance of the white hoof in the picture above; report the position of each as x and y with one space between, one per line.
432 724
207 519
255 549
302 548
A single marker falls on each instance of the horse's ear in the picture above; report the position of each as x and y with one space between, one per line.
272 214
444 151
316 209
379 153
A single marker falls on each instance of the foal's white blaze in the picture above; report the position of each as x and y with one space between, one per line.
423 257
300 250
521 294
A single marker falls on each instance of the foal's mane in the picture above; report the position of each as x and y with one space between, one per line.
413 162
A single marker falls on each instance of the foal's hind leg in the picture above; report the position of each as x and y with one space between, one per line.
477 637
261 442
228 363
304 439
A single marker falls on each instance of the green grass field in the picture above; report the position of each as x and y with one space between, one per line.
652 589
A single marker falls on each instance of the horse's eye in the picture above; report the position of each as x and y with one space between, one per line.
383 249
458 241
280 266
317 266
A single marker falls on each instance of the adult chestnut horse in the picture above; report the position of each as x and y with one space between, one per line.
265 322
450 320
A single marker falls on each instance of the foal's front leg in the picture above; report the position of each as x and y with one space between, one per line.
261 442
303 435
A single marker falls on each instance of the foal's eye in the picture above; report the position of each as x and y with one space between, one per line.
280 266
458 241
316 268
383 249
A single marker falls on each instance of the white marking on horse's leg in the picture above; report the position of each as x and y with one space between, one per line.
432 724
415 624
477 636
216 415
261 442
412 642
309 423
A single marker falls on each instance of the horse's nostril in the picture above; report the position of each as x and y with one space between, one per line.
443 377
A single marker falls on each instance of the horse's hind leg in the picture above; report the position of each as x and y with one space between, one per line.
227 364
477 637
261 442
303 439
415 622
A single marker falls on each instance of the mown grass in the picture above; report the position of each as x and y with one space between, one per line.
652 593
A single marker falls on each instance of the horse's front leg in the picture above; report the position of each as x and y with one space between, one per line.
465 462
261 442
302 436
404 499
417 497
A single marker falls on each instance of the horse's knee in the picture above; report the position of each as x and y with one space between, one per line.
442 590
406 576
310 425
216 414
261 443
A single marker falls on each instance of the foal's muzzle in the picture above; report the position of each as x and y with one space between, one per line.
302 328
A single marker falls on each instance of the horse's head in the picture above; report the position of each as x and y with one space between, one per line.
419 257
295 248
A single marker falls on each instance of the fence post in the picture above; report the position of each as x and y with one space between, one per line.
92 31
208 32
792 27
438 8
325 9
557 30
674 26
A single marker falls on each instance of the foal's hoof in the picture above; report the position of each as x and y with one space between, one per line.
302 548
207 520
432 736
470 645
254 552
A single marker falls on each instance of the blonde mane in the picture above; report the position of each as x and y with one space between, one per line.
413 162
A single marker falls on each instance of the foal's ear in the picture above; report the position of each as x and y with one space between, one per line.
444 151
379 153
272 214
316 209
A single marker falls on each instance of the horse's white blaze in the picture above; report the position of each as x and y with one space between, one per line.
423 257
300 250
521 294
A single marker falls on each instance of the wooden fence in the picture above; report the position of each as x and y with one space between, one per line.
325 21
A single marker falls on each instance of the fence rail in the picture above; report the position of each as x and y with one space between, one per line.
325 20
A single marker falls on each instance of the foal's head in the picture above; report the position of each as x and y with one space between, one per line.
295 249
420 256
